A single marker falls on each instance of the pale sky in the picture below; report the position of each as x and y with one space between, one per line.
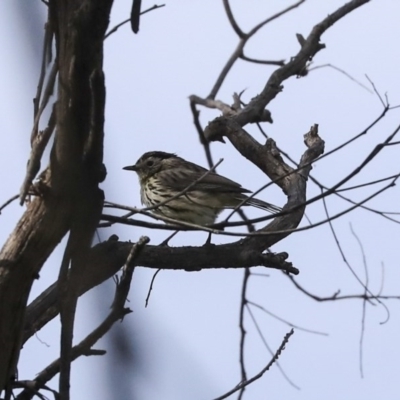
188 336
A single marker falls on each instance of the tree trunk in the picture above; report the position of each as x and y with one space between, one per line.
70 199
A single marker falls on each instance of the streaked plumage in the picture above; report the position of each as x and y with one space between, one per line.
163 175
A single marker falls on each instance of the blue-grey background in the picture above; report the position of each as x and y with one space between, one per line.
185 344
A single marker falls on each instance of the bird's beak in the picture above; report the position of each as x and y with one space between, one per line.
130 168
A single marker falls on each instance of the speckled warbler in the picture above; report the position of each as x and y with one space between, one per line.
164 175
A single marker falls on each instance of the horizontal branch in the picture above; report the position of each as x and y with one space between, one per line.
108 257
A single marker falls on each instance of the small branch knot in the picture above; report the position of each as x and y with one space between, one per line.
216 130
311 137
270 146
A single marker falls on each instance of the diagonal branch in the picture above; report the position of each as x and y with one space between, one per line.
244 38
232 19
39 143
309 48
118 311
242 385
116 27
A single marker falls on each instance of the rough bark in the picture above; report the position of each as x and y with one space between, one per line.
69 192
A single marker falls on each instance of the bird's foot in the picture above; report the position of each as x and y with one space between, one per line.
165 242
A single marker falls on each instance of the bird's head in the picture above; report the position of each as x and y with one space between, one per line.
152 162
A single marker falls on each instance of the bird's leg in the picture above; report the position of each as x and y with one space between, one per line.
165 242
208 241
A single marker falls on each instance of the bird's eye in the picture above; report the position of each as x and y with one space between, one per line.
150 163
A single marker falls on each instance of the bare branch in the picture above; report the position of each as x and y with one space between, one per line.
226 69
135 15
243 302
366 290
253 112
39 144
298 63
279 63
205 143
342 72
336 296
8 202
46 97
106 259
285 212
273 17
46 51
283 320
262 372
211 103
116 27
267 346
244 37
73 178
151 287
118 311
232 20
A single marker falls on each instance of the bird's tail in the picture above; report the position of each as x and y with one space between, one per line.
263 205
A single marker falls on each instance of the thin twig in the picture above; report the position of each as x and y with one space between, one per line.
151 287
284 321
370 183
384 103
67 304
189 226
205 143
382 278
279 63
377 149
8 202
116 27
51 80
261 335
244 37
364 302
273 17
351 269
232 20
243 301
342 72
341 251
336 296
262 372
38 146
383 214
46 43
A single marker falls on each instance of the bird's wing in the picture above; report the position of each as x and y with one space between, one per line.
211 182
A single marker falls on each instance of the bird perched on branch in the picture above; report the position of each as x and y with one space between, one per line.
197 194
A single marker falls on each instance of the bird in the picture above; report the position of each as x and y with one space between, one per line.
165 175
